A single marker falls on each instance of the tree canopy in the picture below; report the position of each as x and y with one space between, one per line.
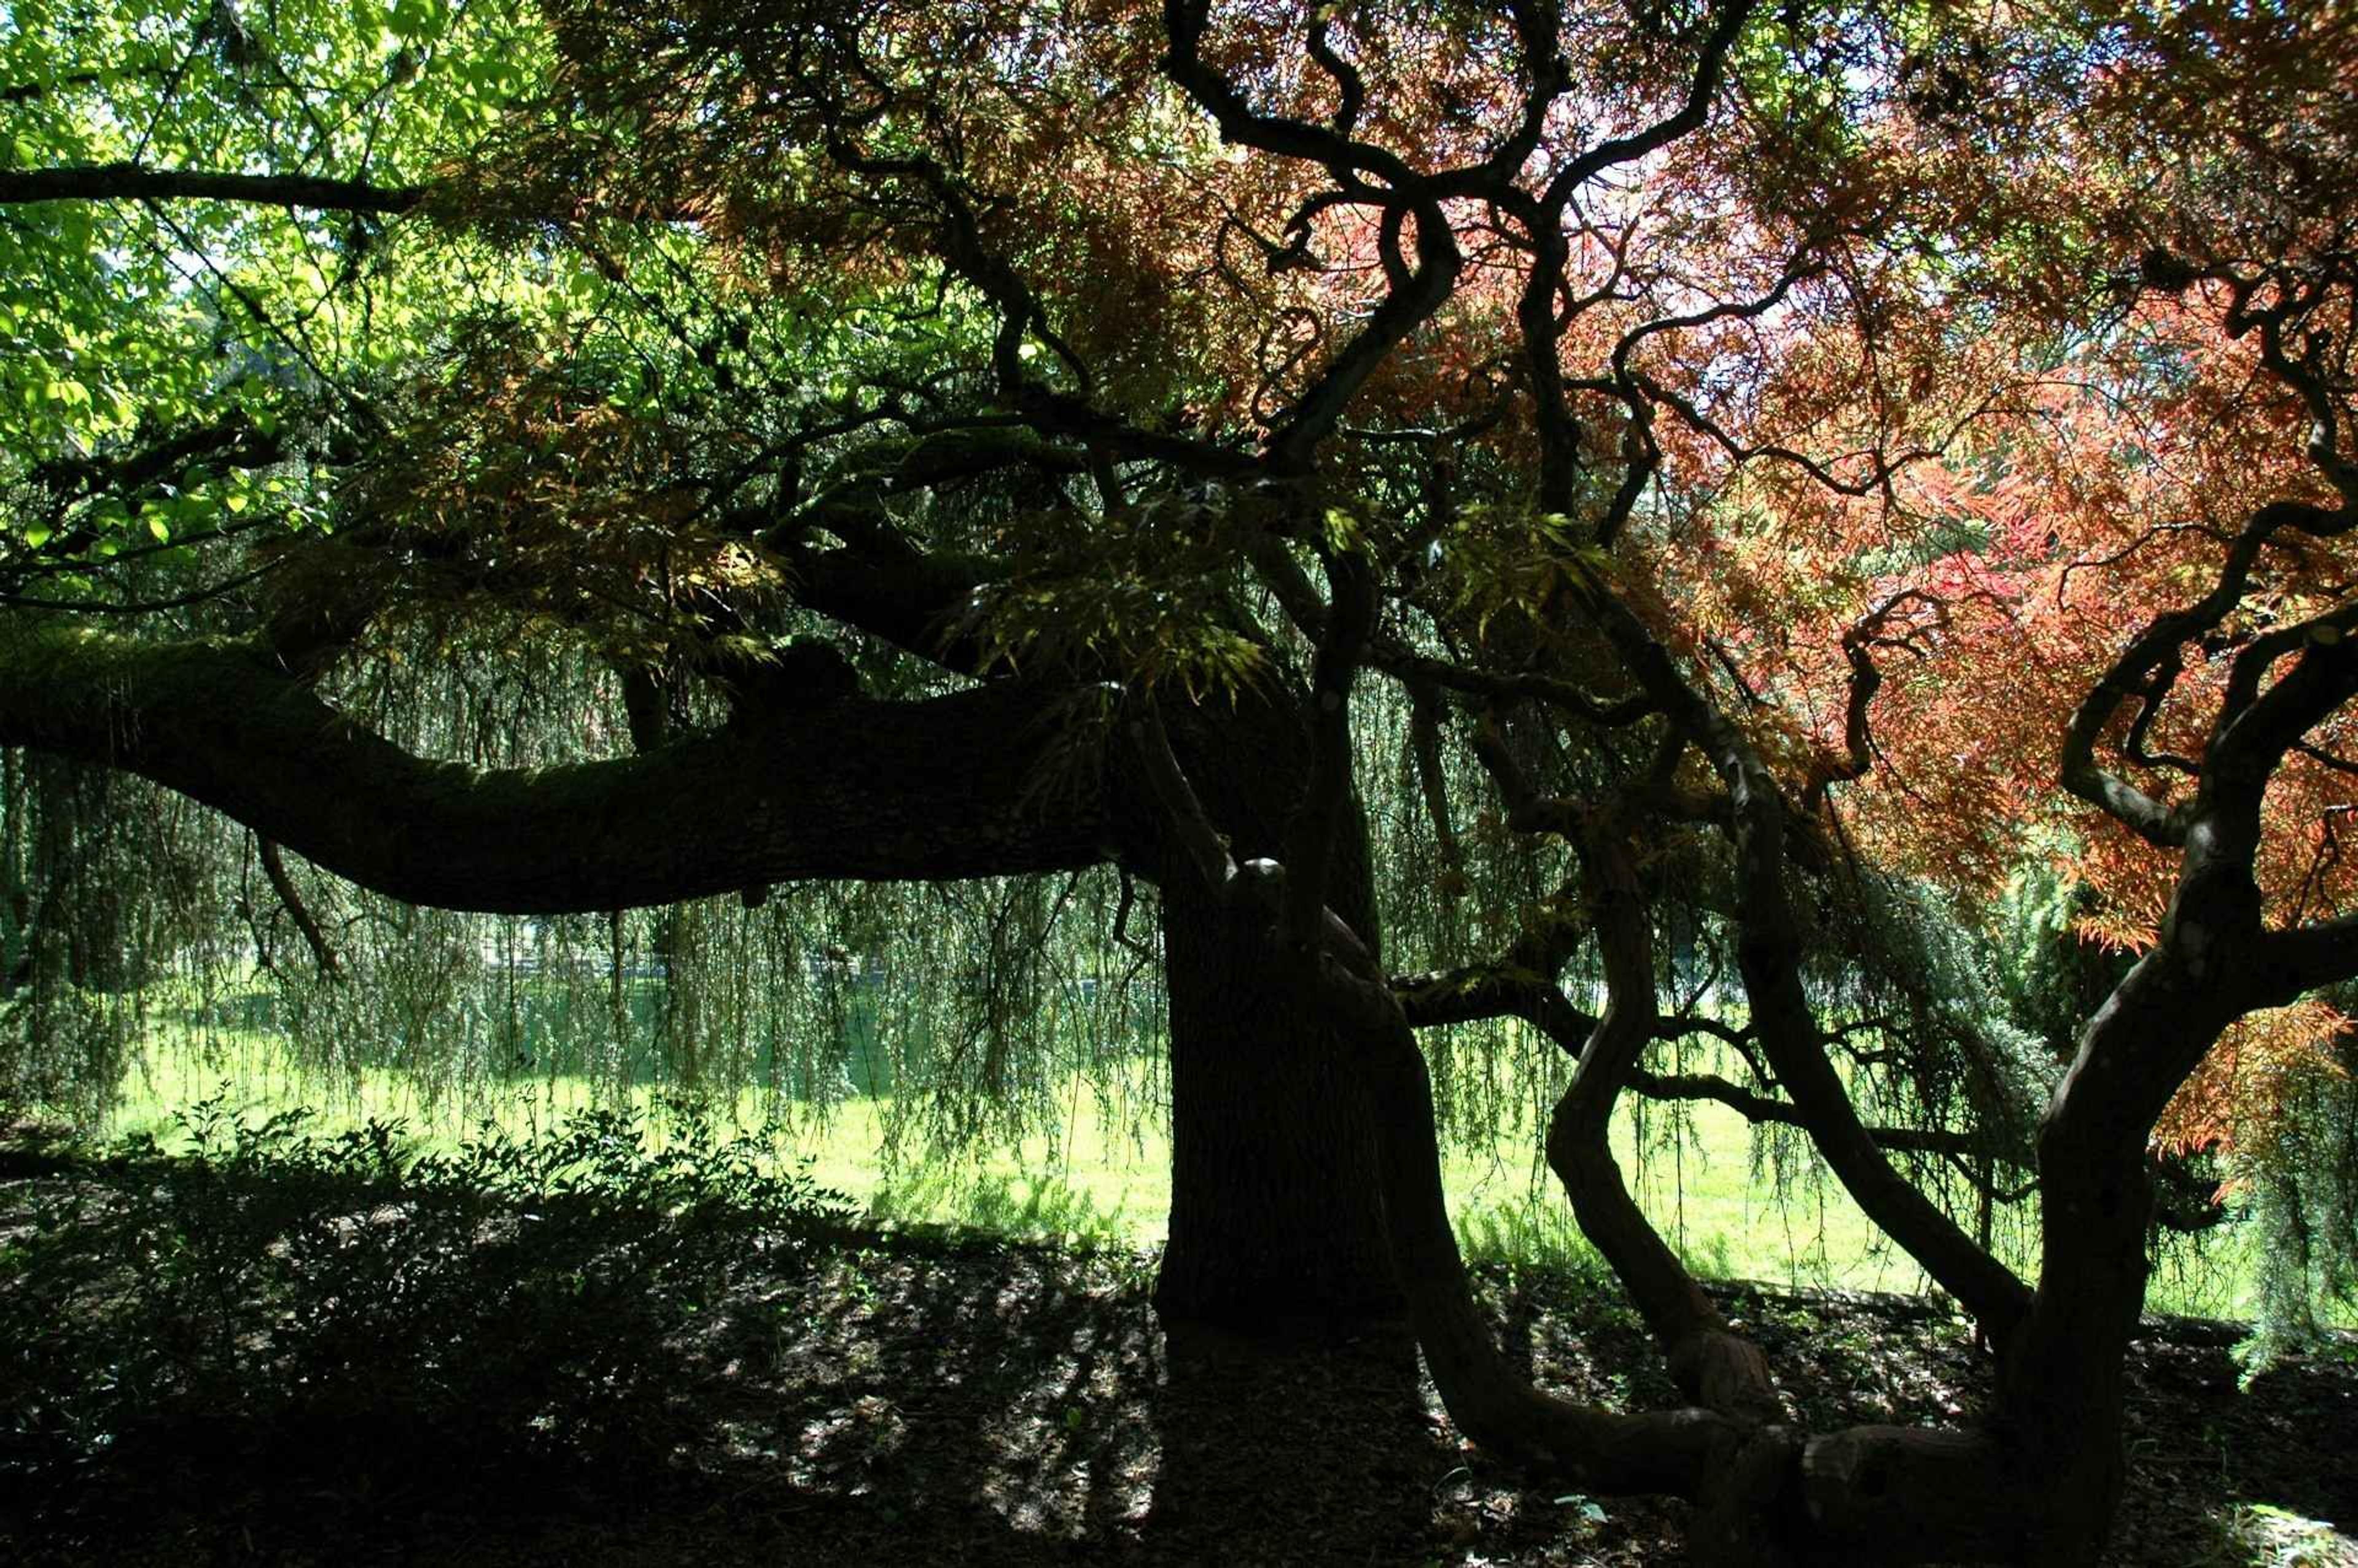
1651 521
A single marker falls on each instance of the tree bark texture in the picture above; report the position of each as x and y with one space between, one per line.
1276 1217
2062 1394
953 786
1768 1496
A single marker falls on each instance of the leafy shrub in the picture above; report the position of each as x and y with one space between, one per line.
327 1296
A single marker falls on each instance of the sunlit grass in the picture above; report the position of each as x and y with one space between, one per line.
1102 1174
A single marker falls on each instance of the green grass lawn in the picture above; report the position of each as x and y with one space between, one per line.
1104 1175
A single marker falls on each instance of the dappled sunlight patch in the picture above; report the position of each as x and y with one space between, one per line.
936 1396
2259 1535
861 1436
1072 1446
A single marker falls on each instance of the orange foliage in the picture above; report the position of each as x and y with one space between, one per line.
1885 309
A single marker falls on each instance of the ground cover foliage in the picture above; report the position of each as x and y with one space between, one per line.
334 1288
283 1348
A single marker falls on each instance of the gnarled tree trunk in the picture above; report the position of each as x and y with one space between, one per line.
1277 1219
1275 1215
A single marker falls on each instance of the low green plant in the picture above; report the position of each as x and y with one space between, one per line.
2255 1535
1026 1205
268 1286
1529 1233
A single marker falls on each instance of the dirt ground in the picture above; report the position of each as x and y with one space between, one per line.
945 1400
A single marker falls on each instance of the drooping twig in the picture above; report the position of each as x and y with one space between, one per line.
274 866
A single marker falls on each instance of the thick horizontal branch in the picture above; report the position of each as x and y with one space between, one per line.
956 786
2294 962
135 182
1491 990
1519 983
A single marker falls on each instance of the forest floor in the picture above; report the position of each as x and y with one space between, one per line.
939 1398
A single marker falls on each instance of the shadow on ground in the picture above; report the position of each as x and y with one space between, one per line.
922 1400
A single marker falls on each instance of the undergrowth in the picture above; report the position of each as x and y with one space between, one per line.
1525 1235
1030 1206
263 1287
